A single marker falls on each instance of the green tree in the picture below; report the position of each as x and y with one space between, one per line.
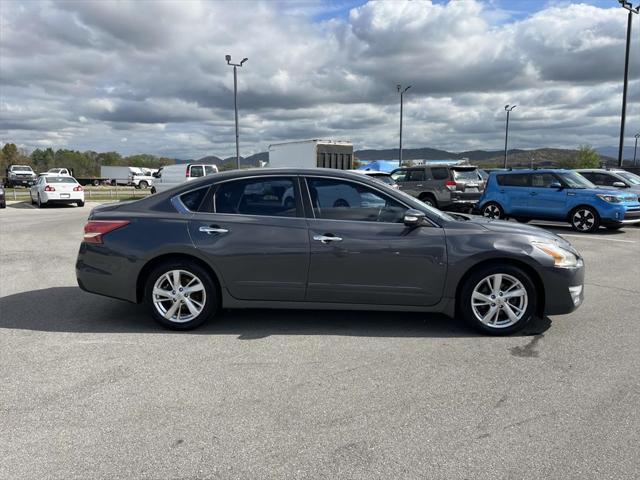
586 157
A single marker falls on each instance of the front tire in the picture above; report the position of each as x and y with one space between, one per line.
498 300
181 295
585 220
143 184
493 211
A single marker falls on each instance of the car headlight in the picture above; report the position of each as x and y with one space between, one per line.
609 198
561 257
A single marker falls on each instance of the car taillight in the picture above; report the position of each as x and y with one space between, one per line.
450 184
187 172
49 188
77 189
95 229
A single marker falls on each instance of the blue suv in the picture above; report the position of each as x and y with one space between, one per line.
559 195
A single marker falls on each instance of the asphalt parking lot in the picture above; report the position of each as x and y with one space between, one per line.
92 388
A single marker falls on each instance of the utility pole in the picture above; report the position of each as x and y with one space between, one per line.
401 92
627 6
637 135
235 101
507 109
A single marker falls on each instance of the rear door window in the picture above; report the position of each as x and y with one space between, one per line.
209 170
440 173
270 196
416 175
514 180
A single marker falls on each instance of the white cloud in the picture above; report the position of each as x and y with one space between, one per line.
88 74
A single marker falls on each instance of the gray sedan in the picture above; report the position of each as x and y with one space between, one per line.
231 240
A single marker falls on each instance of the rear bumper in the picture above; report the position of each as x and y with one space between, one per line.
564 289
102 271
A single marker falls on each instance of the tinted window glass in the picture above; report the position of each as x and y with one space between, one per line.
632 178
197 171
265 196
209 170
192 200
589 176
515 180
543 180
400 175
440 173
342 200
416 175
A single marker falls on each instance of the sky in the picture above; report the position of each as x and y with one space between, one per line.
150 76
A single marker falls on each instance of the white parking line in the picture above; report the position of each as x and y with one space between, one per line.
589 237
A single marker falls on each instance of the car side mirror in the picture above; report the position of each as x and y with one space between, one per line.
557 185
155 175
413 218
620 185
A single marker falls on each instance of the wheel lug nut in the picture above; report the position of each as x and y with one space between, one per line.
180 289
493 304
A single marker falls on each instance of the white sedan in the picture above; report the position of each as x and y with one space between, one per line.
63 189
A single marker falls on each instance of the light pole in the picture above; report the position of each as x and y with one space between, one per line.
637 135
507 109
627 6
401 92
235 101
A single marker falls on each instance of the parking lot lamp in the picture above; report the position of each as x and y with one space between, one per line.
401 91
627 6
235 101
637 135
507 109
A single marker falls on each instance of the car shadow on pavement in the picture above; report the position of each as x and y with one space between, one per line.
69 309
23 205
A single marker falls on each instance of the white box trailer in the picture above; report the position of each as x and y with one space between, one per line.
312 153
126 176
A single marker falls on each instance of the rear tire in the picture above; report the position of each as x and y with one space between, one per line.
584 219
429 200
80 203
502 310
39 202
493 211
177 309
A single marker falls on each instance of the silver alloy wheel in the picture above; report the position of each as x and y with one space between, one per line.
583 219
179 296
499 300
428 201
491 211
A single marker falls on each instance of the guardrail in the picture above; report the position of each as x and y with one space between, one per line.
114 193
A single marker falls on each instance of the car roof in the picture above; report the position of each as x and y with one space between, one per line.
530 170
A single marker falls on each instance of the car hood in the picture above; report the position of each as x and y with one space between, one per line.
502 226
603 191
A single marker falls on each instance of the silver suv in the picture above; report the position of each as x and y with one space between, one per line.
614 178
452 187
20 175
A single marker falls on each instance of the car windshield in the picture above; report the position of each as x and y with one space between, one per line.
22 169
468 174
60 180
632 178
575 180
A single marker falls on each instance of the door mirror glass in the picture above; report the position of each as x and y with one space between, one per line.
413 218
557 185
619 184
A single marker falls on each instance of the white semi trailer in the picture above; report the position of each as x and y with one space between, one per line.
126 176
312 153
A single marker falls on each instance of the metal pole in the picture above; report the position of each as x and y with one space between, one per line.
400 149
635 148
506 137
235 104
624 88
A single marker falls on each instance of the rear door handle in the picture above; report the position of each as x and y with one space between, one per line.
327 238
213 229
533 194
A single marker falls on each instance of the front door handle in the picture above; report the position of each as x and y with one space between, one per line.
213 229
533 194
327 238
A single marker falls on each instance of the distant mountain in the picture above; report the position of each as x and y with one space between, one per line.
627 153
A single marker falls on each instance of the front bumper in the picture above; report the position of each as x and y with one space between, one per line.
22 181
564 289
621 215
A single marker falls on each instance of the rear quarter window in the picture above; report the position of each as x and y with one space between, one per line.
192 200
440 173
